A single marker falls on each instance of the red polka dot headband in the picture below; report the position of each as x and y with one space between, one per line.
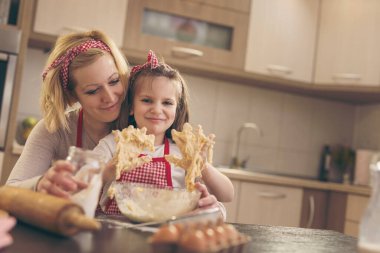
66 59
151 62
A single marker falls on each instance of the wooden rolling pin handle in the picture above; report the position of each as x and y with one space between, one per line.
54 214
81 222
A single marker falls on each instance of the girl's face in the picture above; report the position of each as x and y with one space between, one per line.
99 89
154 105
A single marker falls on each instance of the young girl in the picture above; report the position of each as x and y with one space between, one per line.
157 99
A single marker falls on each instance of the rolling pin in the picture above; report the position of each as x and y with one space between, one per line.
51 213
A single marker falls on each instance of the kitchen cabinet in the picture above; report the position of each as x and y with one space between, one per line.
55 17
356 205
193 33
314 209
269 204
348 50
281 38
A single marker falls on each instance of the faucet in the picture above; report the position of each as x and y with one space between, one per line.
235 162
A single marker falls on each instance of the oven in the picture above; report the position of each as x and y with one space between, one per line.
10 38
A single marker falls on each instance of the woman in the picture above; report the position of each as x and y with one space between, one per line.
85 68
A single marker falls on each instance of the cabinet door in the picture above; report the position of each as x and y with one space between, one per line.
281 39
269 205
348 46
314 209
56 17
188 31
231 207
356 205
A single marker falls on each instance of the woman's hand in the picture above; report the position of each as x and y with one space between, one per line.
207 200
109 172
59 180
6 224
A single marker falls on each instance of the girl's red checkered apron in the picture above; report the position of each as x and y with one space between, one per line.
157 172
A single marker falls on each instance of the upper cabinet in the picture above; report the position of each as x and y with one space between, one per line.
282 38
348 50
197 33
325 48
56 17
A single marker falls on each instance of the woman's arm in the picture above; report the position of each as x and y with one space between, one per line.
35 158
217 183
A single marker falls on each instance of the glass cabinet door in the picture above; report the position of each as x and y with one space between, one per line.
187 29
179 28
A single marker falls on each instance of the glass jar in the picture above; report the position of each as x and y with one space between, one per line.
89 167
369 230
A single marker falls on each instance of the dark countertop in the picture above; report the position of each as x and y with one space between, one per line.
122 240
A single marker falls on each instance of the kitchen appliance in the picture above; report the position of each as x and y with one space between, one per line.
10 39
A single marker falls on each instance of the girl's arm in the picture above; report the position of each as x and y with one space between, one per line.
217 183
208 200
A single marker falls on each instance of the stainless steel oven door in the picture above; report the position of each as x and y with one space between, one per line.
10 39
7 69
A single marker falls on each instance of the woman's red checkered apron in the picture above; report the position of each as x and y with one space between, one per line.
156 172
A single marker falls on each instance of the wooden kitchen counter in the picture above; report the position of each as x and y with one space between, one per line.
244 175
122 240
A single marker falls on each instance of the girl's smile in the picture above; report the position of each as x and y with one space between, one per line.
154 105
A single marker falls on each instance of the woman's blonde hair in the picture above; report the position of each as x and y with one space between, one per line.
55 98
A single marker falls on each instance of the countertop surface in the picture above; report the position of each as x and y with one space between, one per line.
244 175
120 239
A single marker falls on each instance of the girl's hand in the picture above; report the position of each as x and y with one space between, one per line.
59 180
207 200
6 224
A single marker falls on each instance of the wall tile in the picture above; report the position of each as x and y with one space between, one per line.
265 111
332 123
232 110
297 163
367 127
295 124
203 101
31 84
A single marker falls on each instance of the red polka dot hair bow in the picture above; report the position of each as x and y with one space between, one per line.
66 59
151 62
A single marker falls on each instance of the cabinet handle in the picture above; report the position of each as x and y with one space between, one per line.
272 195
279 70
311 213
185 51
346 77
3 57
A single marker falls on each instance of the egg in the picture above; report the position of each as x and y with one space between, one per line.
193 241
166 234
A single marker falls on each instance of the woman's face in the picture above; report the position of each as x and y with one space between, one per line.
99 89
